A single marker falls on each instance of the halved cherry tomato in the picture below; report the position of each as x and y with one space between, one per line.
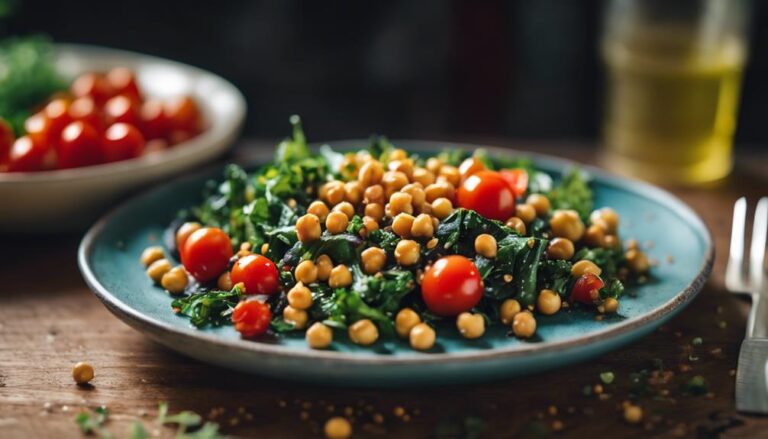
517 179
206 253
251 318
451 286
123 109
487 193
122 141
7 138
27 155
587 288
258 273
123 82
79 146
85 109
154 122
94 85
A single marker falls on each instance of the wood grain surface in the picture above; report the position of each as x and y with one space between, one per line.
49 320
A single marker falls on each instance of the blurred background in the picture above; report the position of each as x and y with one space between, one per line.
527 69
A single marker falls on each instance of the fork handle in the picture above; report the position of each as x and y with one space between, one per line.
757 322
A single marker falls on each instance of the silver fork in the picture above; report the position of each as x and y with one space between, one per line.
740 277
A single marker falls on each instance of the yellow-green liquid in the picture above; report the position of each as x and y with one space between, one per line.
671 107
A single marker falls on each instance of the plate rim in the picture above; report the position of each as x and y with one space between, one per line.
613 332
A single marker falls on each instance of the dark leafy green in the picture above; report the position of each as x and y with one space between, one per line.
573 192
208 307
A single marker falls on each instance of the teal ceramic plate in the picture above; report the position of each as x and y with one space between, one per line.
109 261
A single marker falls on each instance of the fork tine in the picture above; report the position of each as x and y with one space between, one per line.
734 272
757 249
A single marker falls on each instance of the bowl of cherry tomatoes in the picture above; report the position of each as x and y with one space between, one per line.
124 121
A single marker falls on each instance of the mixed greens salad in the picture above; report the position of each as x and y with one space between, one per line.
380 243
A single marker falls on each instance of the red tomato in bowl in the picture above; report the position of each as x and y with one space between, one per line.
7 138
123 109
80 145
123 82
517 179
251 318
489 194
38 128
184 114
27 155
154 122
206 253
122 141
57 112
86 110
587 288
93 85
258 273
451 286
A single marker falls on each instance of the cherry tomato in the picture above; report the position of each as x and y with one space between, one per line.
38 128
517 179
587 288
121 109
6 139
94 85
27 155
184 114
154 122
206 253
258 273
80 145
251 318
123 82
122 141
451 286
85 109
57 111
488 194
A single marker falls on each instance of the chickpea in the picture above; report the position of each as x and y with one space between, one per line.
611 241
434 164
422 337
373 260
560 248
470 325
407 252
525 212
637 261
567 224
151 254
509 308
517 224
306 272
402 225
322 191
224 282
353 192
450 174
308 228
539 202
442 208
400 202
393 181
300 297
632 244
319 336
157 269
398 154
402 165
370 225
583 267
346 208
423 176
633 414
82 373
611 305
363 332
485 245
470 166
549 302
594 236
440 189
318 209
340 277
264 248
524 324
405 320
416 191
370 173
422 227
336 222
374 194
175 280
298 317
432 243
609 218
184 232
324 267
336 193
375 211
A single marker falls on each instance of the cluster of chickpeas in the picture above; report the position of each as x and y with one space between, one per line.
162 272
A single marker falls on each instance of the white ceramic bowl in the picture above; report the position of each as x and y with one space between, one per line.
69 199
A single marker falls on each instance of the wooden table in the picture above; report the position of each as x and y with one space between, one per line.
49 320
